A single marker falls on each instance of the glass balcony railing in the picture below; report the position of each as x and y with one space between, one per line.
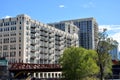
33 56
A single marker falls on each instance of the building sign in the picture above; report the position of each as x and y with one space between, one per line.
3 63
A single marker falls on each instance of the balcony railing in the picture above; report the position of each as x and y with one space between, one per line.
51 39
33 26
33 31
33 56
33 49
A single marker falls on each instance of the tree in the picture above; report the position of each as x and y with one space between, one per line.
78 63
104 46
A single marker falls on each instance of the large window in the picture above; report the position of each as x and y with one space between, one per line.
1 29
5 35
6 40
13 34
13 28
13 47
12 54
19 39
19 53
5 54
5 47
6 24
20 27
13 22
6 29
0 41
13 39
19 46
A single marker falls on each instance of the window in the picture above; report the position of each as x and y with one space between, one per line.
5 54
0 48
5 35
19 33
69 28
19 53
13 39
27 53
1 24
13 34
19 39
13 22
19 46
13 28
20 27
26 60
20 22
27 33
27 27
6 40
13 47
27 22
0 41
6 24
12 54
6 29
1 29
5 47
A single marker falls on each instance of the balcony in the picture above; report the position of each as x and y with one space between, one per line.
62 42
43 33
51 57
33 26
46 45
33 49
37 30
46 51
51 45
37 42
51 51
33 31
57 52
42 57
37 35
37 49
61 47
32 56
46 57
42 51
33 42
62 38
33 36
51 35
42 38
51 39
42 44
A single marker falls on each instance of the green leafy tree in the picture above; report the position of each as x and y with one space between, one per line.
104 46
78 63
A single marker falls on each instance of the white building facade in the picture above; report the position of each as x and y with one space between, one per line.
29 41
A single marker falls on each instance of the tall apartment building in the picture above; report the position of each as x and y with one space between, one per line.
115 52
29 41
88 29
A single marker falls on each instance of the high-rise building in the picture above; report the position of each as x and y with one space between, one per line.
115 52
88 29
29 41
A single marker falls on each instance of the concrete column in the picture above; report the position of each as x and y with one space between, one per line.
47 74
43 75
38 75
34 74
